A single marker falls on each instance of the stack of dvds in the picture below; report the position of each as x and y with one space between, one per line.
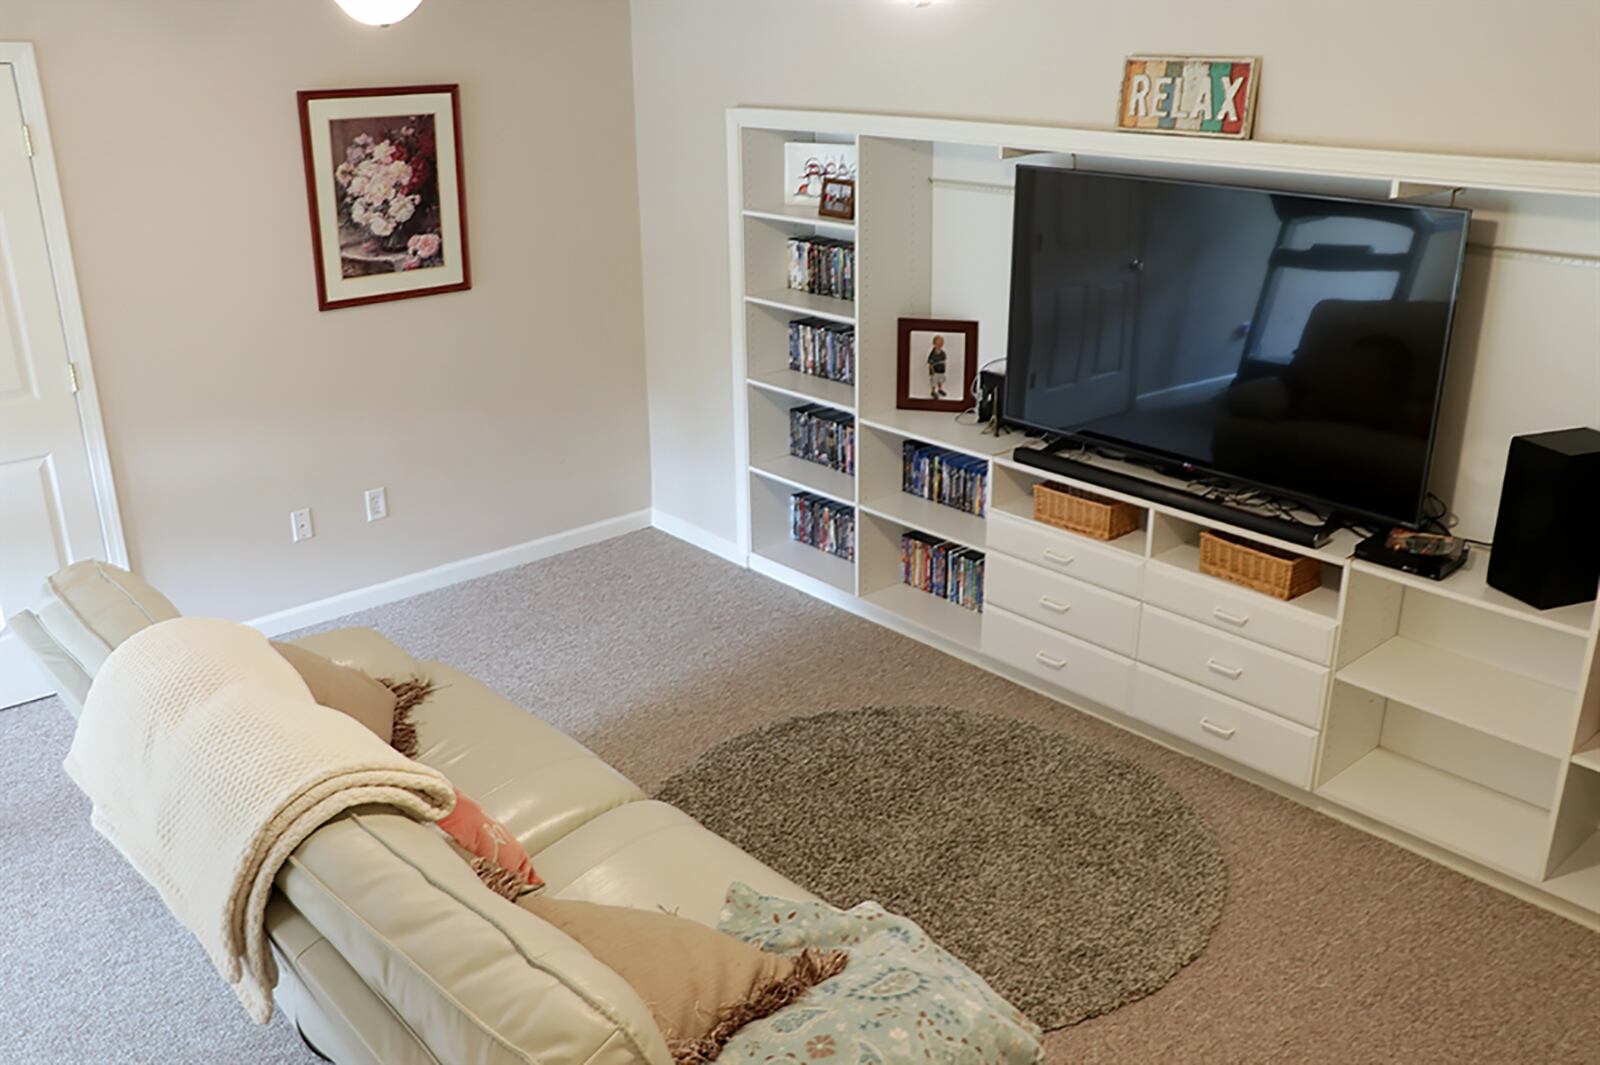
823 524
823 435
943 476
823 266
823 349
942 568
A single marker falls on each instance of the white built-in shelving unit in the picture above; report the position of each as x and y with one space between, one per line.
1446 716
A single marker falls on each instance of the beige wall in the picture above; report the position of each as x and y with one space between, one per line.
1476 76
493 417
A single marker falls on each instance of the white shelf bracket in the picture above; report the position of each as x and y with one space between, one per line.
1400 189
1008 153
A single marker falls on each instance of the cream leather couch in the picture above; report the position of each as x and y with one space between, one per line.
389 949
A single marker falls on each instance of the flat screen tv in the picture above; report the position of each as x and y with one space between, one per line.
1292 343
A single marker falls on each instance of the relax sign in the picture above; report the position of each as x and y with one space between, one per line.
1195 95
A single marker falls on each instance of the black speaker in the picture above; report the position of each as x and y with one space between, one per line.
991 395
1545 549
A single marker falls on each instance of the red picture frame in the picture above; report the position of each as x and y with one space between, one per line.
915 387
386 250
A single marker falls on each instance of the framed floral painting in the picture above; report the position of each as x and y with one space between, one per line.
383 176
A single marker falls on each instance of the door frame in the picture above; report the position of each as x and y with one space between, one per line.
19 56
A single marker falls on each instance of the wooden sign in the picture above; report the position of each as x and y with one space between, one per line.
1198 96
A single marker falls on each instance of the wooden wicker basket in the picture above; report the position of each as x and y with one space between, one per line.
1265 569
1082 513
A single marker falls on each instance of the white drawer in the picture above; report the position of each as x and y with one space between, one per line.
1240 612
1272 680
1070 664
1062 552
1073 607
1238 732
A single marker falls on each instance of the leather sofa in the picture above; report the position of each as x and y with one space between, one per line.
389 949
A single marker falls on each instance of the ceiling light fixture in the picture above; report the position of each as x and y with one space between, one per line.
378 12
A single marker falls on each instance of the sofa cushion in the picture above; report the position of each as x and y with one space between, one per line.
528 775
476 978
654 856
341 688
365 649
88 609
536 780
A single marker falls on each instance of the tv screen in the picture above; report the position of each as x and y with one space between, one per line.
1294 343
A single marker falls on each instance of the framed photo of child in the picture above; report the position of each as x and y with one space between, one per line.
938 364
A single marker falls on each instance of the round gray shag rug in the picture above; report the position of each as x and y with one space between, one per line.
1071 879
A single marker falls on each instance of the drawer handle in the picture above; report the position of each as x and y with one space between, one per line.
1216 729
1058 558
1050 604
1232 619
1050 660
1231 672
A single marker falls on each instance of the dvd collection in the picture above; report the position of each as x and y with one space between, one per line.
823 266
942 568
823 435
823 349
823 524
944 476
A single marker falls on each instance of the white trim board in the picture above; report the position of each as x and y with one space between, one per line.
337 606
1381 166
694 535
19 56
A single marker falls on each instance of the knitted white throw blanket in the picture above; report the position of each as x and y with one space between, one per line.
208 763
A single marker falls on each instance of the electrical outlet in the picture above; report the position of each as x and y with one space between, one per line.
377 504
300 525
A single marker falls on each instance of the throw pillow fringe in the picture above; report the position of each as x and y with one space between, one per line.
810 969
408 695
503 882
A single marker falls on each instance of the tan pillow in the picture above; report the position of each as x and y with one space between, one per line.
686 973
341 688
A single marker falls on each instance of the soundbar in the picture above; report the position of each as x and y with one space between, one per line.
1294 532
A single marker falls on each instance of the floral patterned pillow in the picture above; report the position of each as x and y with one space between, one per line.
901 997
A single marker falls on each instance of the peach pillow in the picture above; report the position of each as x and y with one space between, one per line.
497 850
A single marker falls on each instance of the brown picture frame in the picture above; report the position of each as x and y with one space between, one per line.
823 210
966 398
326 212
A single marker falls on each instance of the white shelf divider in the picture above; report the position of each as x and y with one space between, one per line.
943 430
806 303
940 616
795 213
1482 697
807 387
1445 810
811 562
1469 585
807 476
948 523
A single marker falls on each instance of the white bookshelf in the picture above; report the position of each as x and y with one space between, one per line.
1453 719
1467 691
1446 810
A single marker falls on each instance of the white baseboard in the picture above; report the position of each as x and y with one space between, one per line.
693 534
336 606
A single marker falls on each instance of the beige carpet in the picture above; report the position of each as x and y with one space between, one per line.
1333 946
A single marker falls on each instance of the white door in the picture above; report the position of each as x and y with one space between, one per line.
48 512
